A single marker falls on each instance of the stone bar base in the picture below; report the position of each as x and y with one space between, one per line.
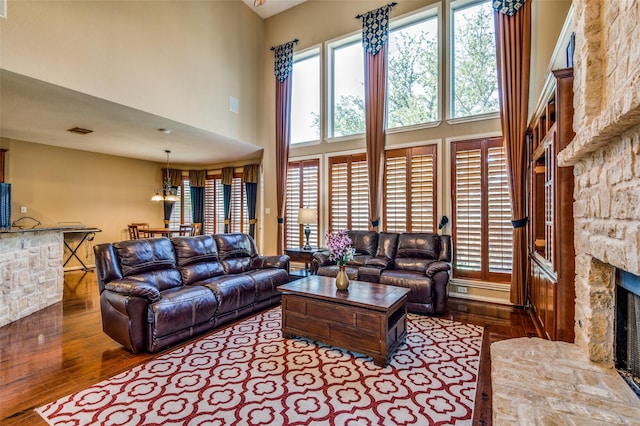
541 382
31 273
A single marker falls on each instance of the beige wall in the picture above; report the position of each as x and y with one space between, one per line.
66 185
176 59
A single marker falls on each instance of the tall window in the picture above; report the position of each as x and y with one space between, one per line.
410 190
412 96
347 88
482 228
303 190
214 206
181 212
348 193
475 81
305 97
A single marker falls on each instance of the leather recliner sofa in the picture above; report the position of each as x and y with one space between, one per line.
158 292
418 261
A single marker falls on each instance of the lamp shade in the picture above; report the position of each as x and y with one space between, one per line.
307 216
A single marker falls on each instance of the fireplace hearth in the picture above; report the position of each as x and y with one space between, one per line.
626 330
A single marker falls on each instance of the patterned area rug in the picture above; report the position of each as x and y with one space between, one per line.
248 374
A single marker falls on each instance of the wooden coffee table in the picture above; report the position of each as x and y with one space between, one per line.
368 318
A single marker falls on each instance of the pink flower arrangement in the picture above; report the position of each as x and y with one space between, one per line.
339 246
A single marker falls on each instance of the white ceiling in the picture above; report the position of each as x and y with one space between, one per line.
36 111
272 7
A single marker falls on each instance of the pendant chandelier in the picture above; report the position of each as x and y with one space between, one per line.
169 193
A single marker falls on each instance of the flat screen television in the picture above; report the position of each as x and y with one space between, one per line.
5 206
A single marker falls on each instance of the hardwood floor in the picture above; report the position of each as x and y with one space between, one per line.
62 349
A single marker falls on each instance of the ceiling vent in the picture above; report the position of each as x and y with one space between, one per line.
80 130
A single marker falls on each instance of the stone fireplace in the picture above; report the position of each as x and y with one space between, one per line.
576 383
606 158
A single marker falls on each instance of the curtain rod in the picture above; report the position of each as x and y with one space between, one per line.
295 40
390 5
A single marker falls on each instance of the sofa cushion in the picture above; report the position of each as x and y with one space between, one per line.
387 245
181 308
420 285
364 242
138 256
235 245
266 281
201 248
332 271
419 245
412 264
232 291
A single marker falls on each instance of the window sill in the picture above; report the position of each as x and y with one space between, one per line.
414 127
303 144
345 138
472 118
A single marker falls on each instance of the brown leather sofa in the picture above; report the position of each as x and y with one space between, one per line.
158 292
418 261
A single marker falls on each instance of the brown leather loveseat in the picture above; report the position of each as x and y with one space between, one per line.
157 292
418 261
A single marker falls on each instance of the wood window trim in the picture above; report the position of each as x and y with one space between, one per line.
408 154
349 160
484 274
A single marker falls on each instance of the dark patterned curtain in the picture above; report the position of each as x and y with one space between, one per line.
197 182
176 180
250 178
375 32
227 180
513 46
283 65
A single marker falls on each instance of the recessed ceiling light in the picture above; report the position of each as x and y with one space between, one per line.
165 131
79 130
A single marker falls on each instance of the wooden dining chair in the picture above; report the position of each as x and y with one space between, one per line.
185 230
141 225
195 229
133 231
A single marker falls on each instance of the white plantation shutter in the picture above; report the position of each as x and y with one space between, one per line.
302 191
238 207
359 196
214 207
348 193
468 210
339 196
182 211
396 179
482 211
409 197
500 229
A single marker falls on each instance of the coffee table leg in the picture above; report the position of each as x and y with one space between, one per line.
380 361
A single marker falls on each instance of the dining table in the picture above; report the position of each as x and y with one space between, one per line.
163 232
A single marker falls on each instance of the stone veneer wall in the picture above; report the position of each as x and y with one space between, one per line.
31 272
606 158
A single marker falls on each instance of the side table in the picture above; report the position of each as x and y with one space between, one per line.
302 255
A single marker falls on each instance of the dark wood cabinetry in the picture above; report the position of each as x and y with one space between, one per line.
550 199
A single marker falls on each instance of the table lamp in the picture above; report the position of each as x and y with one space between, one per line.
305 217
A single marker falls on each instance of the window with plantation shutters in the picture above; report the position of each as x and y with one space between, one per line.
409 190
214 206
303 190
182 212
348 193
482 229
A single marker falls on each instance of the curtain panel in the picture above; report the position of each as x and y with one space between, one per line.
375 33
513 44
175 176
250 178
197 182
283 65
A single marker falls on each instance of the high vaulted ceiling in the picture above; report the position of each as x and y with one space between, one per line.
36 111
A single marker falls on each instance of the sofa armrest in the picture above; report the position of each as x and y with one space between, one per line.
263 262
381 262
134 288
320 258
437 266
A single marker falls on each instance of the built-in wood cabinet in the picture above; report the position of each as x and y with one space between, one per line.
551 287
